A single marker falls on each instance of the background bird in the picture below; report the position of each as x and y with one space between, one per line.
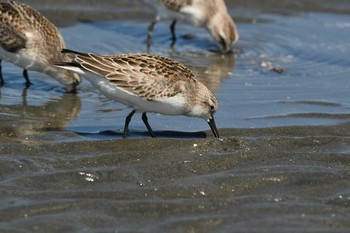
209 14
32 42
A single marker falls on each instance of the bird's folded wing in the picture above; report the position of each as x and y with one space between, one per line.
35 22
12 37
144 86
129 73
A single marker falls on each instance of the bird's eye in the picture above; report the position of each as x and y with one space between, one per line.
212 107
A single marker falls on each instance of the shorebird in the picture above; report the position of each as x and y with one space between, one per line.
210 14
146 83
32 42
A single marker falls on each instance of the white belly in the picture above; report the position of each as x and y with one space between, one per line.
166 105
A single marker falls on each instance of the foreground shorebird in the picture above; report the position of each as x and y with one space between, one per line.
32 42
210 14
147 83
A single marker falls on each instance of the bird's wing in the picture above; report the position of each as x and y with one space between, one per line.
12 37
145 75
39 24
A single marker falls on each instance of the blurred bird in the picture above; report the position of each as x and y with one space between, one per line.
210 14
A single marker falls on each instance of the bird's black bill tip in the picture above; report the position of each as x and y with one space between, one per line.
213 128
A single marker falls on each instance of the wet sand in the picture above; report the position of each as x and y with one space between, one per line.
282 164
273 180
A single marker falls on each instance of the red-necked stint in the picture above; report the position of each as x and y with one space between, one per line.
210 14
146 83
32 42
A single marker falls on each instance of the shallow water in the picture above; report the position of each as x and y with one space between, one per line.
282 164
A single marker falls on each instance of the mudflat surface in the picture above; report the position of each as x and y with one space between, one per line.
282 164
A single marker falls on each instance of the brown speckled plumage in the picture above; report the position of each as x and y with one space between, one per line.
146 75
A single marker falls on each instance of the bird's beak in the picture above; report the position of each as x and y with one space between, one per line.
212 125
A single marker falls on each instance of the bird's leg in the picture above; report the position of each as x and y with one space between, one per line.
26 77
127 121
150 30
74 88
1 78
145 120
173 36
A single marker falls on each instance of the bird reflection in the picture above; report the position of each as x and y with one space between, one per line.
210 68
20 120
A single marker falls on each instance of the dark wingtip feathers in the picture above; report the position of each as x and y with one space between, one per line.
64 51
